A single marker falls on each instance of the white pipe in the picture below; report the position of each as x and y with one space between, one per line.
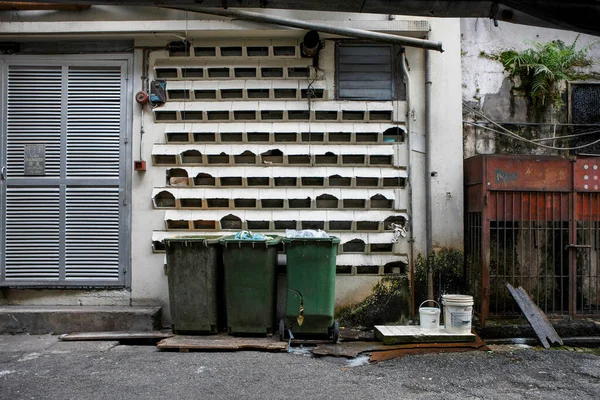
296 23
409 184
428 177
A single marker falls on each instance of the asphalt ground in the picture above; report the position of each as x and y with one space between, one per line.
41 367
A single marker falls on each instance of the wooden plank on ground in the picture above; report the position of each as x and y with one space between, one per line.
536 317
221 342
395 334
82 336
391 354
384 353
353 349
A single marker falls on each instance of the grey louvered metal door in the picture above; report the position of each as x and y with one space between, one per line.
64 186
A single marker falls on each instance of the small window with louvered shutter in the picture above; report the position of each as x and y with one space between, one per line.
367 71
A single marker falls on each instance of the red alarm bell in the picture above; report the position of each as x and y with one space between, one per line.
142 97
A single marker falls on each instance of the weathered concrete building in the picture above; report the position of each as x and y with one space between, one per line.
251 135
532 218
488 87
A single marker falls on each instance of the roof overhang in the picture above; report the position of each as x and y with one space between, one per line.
577 15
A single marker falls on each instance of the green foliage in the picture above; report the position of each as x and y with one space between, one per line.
543 67
390 300
389 303
447 266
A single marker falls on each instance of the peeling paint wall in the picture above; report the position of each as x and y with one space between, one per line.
486 86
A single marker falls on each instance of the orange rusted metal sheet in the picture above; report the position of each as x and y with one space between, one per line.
586 172
533 221
528 173
587 206
474 171
528 206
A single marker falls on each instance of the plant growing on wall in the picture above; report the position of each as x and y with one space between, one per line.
448 273
544 68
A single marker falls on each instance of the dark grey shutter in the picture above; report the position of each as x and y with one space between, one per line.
93 121
65 227
365 72
32 233
33 116
92 233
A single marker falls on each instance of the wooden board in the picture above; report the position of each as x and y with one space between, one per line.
221 342
536 317
82 336
353 349
427 348
391 354
395 334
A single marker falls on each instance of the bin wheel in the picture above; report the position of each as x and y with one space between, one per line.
281 329
336 332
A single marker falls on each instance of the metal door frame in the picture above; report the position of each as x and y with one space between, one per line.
125 61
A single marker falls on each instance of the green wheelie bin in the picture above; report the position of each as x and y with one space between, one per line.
250 268
310 287
194 273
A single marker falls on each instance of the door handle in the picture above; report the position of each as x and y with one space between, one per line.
3 173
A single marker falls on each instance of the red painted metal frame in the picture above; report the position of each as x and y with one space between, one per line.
540 197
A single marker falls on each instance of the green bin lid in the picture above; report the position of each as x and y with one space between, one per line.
330 239
231 239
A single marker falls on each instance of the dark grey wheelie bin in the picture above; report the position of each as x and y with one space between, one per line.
194 271
250 269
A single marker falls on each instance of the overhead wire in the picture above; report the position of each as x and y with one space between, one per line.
568 136
517 137
508 133
554 125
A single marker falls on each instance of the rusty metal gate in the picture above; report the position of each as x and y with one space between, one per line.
534 222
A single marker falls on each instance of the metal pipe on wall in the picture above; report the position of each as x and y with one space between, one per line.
31 6
295 23
411 261
428 176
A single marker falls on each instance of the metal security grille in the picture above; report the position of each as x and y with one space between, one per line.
529 238
365 72
586 285
66 223
584 108
533 221
473 249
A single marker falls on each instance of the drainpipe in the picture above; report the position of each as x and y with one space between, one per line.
409 115
428 176
296 23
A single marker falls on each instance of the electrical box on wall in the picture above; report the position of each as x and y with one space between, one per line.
139 165
158 92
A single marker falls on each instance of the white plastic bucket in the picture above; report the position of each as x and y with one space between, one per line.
458 312
429 317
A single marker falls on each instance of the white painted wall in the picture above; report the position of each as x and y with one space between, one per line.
156 27
446 151
483 76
